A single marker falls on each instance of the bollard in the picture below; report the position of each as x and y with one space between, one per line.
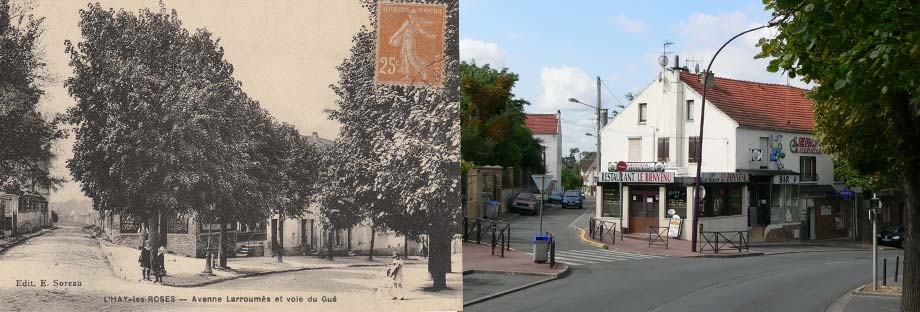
885 272
897 264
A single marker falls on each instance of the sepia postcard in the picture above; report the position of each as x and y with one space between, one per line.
230 155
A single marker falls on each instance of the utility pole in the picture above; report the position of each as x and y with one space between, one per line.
598 136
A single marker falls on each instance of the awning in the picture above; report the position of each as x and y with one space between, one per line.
767 172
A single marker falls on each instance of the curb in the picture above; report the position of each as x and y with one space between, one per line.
805 251
840 304
23 238
551 277
589 242
744 255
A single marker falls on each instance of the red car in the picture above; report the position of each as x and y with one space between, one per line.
526 203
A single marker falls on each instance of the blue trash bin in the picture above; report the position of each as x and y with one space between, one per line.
492 209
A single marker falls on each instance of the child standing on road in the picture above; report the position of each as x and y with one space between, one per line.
395 272
159 265
144 259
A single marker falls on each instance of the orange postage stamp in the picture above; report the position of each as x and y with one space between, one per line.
410 44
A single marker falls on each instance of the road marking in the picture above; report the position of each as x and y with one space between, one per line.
595 256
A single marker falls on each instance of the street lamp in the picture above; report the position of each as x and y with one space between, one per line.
598 129
699 166
542 190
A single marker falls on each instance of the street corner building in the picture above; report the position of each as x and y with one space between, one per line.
763 172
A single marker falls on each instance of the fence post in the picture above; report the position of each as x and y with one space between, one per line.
478 231
885 272
717 242
897 263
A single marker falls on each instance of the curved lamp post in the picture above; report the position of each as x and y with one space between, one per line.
699 166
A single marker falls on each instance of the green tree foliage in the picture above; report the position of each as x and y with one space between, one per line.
571 178
407 139
27 135
862 57
492 120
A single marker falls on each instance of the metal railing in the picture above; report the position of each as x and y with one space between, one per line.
657 236
716 240
500 230
600 229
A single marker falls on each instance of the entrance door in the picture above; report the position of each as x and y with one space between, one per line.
643 211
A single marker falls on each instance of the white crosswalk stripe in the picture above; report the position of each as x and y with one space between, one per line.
594 256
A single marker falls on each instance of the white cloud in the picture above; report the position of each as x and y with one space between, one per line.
559 84
483 53
705 33
630 25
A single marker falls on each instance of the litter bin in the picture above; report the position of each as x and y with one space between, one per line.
540 248
492 209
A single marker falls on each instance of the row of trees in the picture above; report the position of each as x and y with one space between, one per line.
164 130
28 135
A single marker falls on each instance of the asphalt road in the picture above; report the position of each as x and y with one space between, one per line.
790 282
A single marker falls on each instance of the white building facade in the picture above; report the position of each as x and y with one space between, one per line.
762 168
548 129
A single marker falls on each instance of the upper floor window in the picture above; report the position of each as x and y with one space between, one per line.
694 156
690 110
808 169
643 110
664 149
635 149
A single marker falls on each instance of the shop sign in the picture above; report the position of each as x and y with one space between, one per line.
825 210
804 145
724 177
638 177
786 179
674 226
638 166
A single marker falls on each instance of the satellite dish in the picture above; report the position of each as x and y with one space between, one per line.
663 61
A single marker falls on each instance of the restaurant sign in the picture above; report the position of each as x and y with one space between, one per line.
804 145
724 177
639 166
638 177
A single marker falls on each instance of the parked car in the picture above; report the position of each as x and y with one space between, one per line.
554 197
526 203
572 199
892 236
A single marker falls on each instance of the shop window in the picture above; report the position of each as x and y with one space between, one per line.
694 156
643 110
722 201
676 198
611 202
664 149
807 167
690 110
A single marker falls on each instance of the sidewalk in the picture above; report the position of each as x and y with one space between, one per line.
479 258
186 272
638 243
9 242
864 299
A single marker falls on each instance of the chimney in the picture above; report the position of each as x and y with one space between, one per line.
676 62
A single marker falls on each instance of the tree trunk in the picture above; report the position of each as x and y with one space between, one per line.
439 258
280 252
221 253
906 123
406 247
370 254
329 241
153 228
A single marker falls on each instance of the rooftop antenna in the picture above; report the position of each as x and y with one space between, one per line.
663 59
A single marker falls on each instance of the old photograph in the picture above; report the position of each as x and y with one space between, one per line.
230 155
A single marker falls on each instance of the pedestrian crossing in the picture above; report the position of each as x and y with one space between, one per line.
595 256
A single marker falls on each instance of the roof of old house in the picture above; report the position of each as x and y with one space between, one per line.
542 123
321 142
586 164
758 105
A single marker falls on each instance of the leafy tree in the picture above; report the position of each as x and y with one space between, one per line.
493 131
409 137
571 178
28 135
862 58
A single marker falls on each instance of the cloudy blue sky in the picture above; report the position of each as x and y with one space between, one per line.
559 47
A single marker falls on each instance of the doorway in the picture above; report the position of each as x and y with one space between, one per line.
643 210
